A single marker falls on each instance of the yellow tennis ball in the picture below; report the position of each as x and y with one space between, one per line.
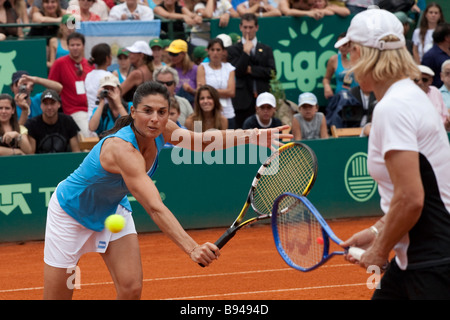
115 223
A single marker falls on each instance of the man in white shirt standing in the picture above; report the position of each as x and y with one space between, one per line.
130 10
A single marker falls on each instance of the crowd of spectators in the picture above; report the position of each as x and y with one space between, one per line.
223 82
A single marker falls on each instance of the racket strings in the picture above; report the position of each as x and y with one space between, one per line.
290 170
299 232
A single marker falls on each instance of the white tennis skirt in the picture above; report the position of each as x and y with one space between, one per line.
66 239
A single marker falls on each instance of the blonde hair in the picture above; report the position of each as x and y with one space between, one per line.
385 64
186 64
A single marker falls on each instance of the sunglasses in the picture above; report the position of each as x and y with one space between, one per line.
167 83
424 80
173 54
79 70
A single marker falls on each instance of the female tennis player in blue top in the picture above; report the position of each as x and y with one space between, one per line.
122 163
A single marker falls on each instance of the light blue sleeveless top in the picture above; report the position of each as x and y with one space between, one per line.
60 51
340 74
90 194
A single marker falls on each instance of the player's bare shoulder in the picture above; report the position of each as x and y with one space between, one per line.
116 152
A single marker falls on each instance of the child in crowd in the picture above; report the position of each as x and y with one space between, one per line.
309 123
175 112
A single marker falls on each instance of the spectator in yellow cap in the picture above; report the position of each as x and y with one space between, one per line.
186 68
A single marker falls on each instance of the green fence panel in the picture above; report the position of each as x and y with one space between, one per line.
202 190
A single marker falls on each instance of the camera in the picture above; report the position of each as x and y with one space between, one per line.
12 143
23 89
103 94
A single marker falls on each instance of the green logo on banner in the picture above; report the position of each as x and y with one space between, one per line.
360 185
7 67
303 62
11 196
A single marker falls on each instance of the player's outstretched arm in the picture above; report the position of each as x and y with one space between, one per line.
222 139
118 156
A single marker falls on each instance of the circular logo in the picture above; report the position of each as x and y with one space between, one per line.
358 182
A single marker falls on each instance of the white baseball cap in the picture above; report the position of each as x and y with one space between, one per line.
140 47
370 26
307 98
266 98
226 39
426 70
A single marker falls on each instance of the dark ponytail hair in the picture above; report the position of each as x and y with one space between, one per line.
143 90
99 53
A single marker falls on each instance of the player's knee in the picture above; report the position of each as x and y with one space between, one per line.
129 290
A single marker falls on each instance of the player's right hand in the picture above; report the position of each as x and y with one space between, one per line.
205 254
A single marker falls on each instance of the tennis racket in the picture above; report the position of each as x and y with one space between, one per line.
302 236
292 168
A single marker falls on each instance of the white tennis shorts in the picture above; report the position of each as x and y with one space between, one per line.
66 239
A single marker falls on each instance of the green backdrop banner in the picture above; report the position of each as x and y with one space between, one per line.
202 190
30 55
301 47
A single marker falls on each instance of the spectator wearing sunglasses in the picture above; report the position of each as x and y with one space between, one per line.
433 93
169 77
186 68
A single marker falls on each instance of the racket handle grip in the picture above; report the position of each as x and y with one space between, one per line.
227 236
223 240
356 252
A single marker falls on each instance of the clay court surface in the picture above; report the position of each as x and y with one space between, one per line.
249 268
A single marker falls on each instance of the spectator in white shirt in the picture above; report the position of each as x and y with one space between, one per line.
130 10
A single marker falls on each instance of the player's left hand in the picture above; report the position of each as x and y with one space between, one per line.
272 137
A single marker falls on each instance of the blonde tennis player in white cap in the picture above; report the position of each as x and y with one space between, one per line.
408 156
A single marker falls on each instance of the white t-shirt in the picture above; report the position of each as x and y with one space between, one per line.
219 80
405 119
426 45
145 13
